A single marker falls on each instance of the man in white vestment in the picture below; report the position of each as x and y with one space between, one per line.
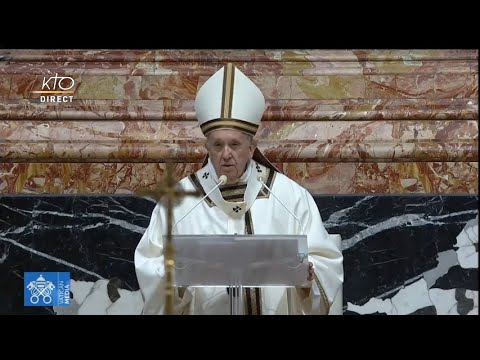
229 108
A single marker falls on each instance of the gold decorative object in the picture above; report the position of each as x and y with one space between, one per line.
168 191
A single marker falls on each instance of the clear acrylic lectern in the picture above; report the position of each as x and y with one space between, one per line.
237 261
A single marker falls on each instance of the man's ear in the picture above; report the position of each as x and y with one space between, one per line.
205 143
253 146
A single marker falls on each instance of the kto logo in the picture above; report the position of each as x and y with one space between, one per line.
57 86
46 289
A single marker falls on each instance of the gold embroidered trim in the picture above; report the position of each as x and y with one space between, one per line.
322 292
236 192
253 301
264 193
196 183
252 295
248 223
229 124
227 93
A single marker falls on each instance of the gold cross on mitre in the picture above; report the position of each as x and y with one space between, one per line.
168 191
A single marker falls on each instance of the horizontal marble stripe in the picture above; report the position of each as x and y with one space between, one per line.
318 178
324 87
234 55
276 151
140 131
252 69
132 108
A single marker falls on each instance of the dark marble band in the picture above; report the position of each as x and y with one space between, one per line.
402 254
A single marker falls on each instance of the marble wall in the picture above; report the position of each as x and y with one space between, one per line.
337 121
386 140
412 254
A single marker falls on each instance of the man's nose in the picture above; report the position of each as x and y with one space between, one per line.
227 152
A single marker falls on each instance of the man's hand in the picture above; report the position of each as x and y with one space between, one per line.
311 271
305 291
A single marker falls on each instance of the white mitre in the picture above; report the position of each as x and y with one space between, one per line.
229 100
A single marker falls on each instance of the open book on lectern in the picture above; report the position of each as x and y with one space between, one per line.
240 260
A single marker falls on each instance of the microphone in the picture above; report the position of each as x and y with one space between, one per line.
221 180
260 178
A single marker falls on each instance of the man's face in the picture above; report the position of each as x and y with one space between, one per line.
229 151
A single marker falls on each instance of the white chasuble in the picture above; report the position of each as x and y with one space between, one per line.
243 208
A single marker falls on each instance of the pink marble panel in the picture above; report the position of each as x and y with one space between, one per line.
5 81
73 178
420 67
386 178
422 86
328 87
285 110
251 69
323 141
286 151
168 87
107 87
338 121
319 178
299 55
340 131
385 86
